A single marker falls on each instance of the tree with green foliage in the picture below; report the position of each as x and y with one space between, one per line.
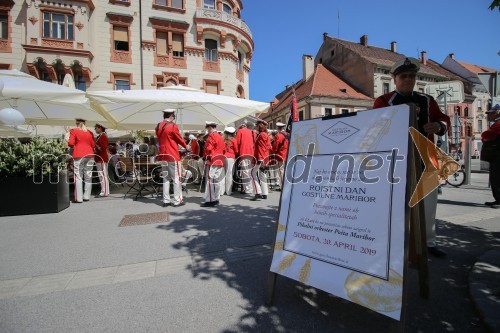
495 4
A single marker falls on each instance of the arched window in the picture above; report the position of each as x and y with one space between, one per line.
210 4
171 83
211 50
240 92
227 9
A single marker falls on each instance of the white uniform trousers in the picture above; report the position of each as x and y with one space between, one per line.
83 174
227 181
259 180
279 170
246 174
171 171
201 169
430 204
213 183
102 170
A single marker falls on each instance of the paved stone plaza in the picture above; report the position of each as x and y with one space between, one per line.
205 270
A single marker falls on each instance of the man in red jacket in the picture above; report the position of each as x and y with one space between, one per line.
82 141
262 148
431 121
213 153
492 135
245 149
102 158
169 139
279 150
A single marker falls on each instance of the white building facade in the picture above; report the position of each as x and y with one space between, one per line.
130 44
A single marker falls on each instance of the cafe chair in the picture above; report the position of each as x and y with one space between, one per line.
138 182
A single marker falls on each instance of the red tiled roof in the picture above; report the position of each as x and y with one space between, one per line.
322 83
476 68
380 56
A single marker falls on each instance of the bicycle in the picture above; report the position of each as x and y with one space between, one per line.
458 178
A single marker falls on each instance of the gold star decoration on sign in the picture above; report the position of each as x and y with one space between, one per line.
437 166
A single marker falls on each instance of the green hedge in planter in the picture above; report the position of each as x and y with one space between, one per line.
38 157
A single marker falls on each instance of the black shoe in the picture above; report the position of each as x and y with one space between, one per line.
100 196
166 204
216 202
85 199
492 203
256 197
264 196
436 251
208 204
180 204
278 189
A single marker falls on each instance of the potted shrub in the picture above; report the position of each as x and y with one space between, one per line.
33 176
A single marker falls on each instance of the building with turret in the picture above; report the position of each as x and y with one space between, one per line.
126 44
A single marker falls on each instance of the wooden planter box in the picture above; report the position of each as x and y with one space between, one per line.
22 196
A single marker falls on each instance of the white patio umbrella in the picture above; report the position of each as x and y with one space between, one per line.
43 102
141 109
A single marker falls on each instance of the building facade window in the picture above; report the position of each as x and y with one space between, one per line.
210 4
176 4
122 82
345 111
120 38
227 9
212 87
178 45
480 125
385 88
4 26
58 25
240 61
479 104
301 115
211 50
328 112
80 83
161 42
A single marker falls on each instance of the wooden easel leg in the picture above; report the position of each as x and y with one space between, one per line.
271 285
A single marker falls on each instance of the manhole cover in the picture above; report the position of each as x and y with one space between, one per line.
141 219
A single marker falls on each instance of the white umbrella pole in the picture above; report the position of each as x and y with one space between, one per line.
182 121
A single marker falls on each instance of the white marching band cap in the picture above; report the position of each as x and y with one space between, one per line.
280 124
210 123
169 111
230 130
260 121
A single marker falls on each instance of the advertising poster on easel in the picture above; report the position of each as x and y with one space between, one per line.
342 212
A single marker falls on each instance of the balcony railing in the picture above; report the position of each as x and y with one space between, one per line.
221 16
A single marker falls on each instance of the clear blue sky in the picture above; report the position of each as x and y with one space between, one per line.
284 30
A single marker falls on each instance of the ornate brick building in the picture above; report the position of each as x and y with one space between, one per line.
129 44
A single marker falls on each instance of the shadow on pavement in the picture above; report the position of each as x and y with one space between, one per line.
216 233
